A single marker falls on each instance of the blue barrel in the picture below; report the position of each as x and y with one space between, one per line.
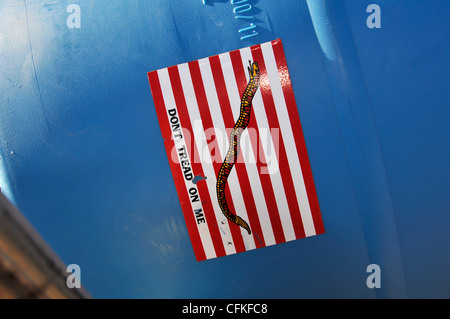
82 156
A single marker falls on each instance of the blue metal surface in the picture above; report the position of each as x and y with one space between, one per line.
83 158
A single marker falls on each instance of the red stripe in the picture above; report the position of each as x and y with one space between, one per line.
204 110
240 167
175 167
298 136
274 216
283 163
195 164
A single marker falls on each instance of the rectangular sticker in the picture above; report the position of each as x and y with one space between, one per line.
235 145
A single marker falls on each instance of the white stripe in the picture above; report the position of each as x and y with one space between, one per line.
288 136
205 158
169 102
252 170
218 123
275 174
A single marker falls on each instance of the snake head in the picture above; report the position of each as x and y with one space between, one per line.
253 69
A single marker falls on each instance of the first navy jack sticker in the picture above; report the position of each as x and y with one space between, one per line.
233 119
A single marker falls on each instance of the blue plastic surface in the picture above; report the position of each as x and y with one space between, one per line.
83 158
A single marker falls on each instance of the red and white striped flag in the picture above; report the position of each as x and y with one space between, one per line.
270 185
